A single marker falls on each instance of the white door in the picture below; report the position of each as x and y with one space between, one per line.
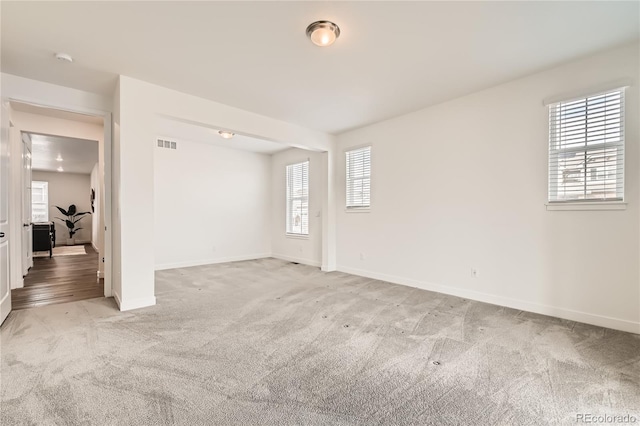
5 289
27 229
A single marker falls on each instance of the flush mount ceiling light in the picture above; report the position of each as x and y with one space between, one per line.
59 158
226 134
60 169
64 57
323 33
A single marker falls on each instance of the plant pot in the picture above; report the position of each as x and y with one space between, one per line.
71 241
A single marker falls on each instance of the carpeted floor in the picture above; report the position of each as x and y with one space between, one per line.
269 342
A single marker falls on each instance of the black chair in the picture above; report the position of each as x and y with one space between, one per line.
44 237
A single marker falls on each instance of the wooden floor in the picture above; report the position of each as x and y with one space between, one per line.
60 279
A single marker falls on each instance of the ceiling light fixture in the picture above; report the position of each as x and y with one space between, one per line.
323 33
59 158
64 57
226 134
60 169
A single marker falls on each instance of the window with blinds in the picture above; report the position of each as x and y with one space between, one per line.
359 178
586 148
39 201
298 199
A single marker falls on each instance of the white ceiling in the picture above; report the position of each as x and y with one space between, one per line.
391 57
78 155
180 131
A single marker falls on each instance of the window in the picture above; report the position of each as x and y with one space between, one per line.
586 148
298 199
359 178
39 201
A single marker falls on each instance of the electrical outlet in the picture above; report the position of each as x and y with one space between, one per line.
475 273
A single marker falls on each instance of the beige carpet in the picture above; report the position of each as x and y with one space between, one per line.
62 251
271 343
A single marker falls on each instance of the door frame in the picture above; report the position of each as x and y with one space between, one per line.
5 222
25 217
107 169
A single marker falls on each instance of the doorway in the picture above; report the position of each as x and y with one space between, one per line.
63 207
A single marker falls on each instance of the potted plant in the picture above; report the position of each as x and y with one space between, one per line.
73 217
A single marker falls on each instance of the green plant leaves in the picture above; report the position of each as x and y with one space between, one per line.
63 211
73 217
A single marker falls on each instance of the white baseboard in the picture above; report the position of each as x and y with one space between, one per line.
296 259
18 284
188 264
569 314
129 305
328 268
116 296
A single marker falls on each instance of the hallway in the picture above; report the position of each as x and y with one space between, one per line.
60 279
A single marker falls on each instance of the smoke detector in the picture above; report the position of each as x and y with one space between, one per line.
64 57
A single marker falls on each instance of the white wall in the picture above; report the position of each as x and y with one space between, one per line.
95 223
463 184
211 205
116 242
66 189
296 249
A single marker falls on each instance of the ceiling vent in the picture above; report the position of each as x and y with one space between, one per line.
164 143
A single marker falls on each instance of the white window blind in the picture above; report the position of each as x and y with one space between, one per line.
298 199
586 148
39 201
359 178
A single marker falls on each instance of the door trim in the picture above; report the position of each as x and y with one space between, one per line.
5 213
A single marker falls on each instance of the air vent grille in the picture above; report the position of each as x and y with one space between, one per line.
164 143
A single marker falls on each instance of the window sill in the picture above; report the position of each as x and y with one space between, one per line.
358 210
602 205
298 236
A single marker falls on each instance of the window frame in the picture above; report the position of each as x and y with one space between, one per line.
356 208
290 200
45 203
553 157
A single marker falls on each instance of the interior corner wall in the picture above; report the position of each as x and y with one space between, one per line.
116 234
212 205
302 250
134 161
463 185
66 189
